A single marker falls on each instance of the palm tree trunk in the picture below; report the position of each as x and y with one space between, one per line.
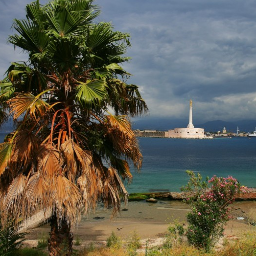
61 239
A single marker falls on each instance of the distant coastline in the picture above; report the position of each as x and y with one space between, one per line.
162 134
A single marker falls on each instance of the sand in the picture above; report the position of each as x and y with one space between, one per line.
148 220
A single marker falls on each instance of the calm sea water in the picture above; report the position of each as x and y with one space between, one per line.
165 162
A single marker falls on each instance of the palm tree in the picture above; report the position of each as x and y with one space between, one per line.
68 152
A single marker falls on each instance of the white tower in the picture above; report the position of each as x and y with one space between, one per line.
190 124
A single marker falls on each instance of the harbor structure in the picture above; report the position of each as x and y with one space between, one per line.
187 133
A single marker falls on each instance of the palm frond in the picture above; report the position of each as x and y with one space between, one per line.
91 92
5 155
14 194
49 161
27 102
31 38
123 138
67 198
26 145
6 90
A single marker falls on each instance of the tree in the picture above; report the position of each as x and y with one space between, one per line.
68 152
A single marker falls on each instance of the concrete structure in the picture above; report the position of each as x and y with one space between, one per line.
149 133
187 133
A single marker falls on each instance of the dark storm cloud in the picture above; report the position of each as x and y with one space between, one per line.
181 50
204 50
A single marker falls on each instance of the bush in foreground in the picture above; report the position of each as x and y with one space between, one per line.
209 202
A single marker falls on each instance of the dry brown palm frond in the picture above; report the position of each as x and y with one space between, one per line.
14 196
124 139
25 147
76 159
120 123
113 188
26 102
49 160
83 156
69 158
37 190
127 173
67 198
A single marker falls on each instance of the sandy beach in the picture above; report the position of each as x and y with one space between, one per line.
148 220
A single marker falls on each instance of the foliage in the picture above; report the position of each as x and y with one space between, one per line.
10 239
29 252
67 152
77 241
243 246
133 244
114 241
209 208
42 242
137 196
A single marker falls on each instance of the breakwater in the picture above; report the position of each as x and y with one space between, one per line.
150 133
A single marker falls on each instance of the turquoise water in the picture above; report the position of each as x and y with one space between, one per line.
165 162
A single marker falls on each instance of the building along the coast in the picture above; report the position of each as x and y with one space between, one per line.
187 133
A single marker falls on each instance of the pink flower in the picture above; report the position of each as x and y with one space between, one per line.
199 213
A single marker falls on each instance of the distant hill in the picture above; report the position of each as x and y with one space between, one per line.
218 125
164 124
161 124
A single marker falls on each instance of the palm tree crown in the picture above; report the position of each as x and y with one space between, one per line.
68 151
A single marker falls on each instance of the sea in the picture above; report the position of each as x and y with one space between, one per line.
165 162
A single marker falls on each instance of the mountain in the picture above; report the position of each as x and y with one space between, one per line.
160 124
164 124
231 126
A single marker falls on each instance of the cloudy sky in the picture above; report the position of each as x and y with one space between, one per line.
181 50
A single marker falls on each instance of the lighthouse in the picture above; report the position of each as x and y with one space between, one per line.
190 123
187 133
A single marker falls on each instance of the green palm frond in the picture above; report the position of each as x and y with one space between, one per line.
30 37
65 18
6 91
35 12
91 92
5 155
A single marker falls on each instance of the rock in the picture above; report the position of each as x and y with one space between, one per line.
151 200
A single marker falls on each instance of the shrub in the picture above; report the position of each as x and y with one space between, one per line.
10 240
209 208
114 241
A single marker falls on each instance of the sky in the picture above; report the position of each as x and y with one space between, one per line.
181 50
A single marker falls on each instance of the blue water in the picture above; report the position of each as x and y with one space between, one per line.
165 162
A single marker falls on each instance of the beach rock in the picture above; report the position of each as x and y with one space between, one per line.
151 200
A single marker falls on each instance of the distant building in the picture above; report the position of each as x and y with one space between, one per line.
187 133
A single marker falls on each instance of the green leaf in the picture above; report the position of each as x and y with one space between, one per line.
5 155
91 92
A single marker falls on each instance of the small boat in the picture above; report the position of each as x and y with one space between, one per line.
252 134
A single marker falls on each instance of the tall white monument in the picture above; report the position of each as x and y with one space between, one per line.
190 124
187 133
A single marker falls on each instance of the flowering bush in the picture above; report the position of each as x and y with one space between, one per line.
209 202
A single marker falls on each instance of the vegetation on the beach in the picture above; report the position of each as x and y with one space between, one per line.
138 196
67 151
209 202
10 239
244 246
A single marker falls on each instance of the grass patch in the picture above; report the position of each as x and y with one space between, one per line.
138 196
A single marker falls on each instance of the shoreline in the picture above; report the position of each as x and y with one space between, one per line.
150 221
250 196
